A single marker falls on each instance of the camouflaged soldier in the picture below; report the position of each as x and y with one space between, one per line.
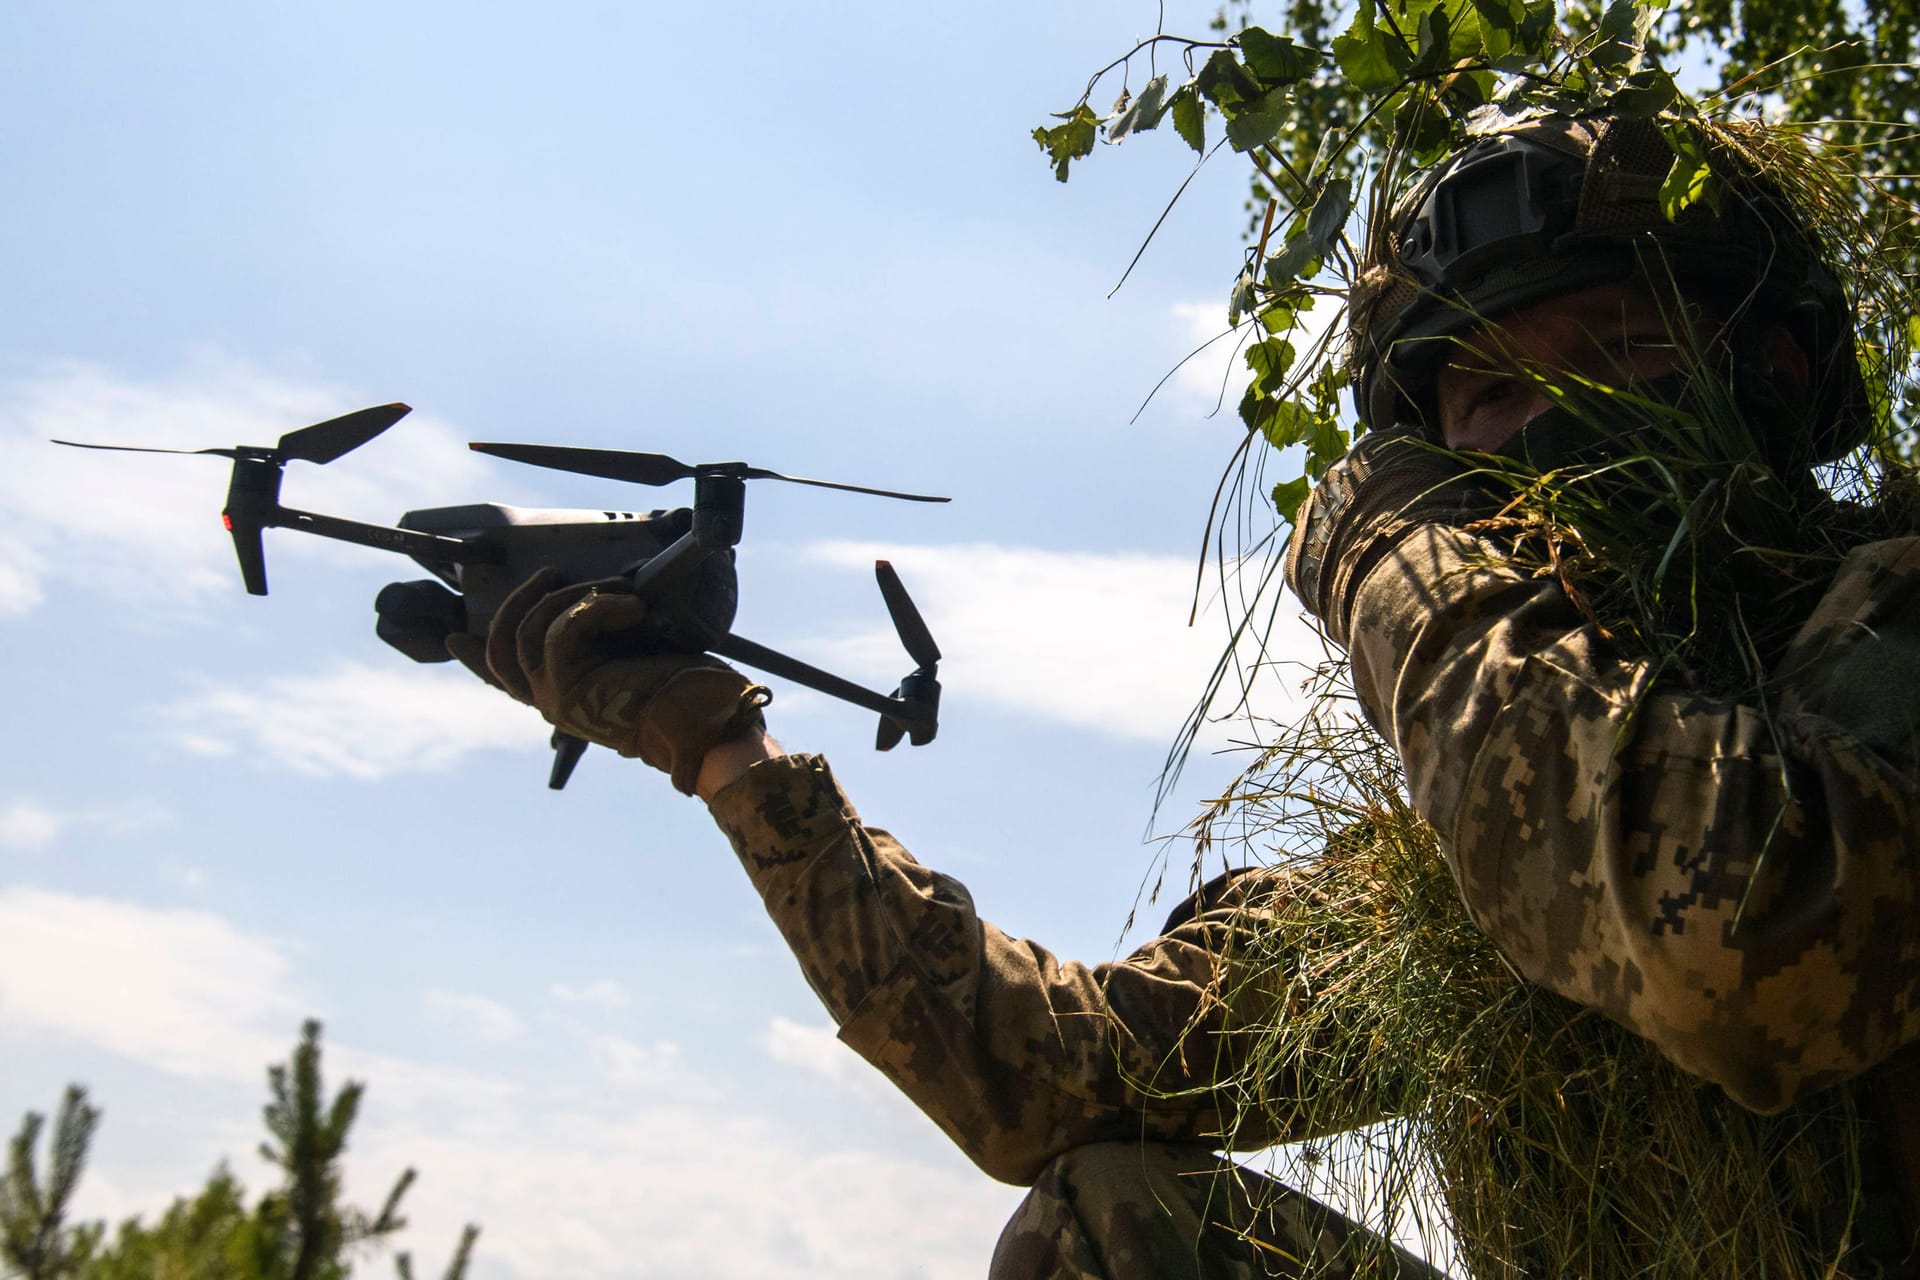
1732 877
1604 829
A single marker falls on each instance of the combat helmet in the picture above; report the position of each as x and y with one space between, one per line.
1557 203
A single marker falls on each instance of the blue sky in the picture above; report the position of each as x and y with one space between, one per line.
816 238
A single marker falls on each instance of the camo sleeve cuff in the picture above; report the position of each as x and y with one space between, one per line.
780 812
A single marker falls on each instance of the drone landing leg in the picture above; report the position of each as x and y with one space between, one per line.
567 751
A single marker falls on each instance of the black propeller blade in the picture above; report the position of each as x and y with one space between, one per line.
906 618
325 441
658 468
321 442
608 464
920 687
134 448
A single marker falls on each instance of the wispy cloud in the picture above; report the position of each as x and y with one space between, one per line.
604 993
185 991
722 1189
357 720
815 1049
146 528
473 1015
641 1163
1096 641
26 825
21 568
1216 373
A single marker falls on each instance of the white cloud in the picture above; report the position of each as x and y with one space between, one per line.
186 874
476 1016
817 1050
659 1068
648 1166
184 991
672 1189
605 993
25 825
1096 641
21 568
355 719
146 527
1217 372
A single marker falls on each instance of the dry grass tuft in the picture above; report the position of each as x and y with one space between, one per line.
1546 1139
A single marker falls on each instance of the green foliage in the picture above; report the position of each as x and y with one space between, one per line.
300 1230
1334 108
1065 143
35 1241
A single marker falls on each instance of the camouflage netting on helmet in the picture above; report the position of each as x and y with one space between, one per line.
1532 210
1529 1137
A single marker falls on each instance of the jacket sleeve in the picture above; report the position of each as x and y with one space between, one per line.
1735 880
1018 1056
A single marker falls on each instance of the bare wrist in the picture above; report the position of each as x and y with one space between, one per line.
726 762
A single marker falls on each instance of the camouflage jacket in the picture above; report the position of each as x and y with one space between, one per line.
1017 1055
1734 881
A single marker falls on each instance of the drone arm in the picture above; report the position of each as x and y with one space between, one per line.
771 661
410 542
685 545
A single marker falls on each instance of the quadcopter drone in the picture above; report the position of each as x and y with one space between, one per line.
680 560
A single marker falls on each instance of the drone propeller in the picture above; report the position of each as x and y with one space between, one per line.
906 618
322 442
658 468
253 495
920 686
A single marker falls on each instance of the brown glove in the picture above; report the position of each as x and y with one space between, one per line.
1388 484
576 653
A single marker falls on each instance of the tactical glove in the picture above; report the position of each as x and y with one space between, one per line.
1388 484
579 654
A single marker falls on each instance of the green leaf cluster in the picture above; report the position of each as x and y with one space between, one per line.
301 1230
1334 104
1073 140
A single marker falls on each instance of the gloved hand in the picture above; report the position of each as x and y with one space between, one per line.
574 653
1388 484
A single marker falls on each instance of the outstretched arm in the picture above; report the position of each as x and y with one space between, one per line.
1017 1055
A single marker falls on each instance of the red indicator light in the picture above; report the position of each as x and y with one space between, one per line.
226 522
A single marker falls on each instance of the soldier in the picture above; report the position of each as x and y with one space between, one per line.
1605 828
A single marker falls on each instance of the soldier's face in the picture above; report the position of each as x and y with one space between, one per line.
1609 334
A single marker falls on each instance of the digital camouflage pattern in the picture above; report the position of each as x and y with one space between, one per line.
1092 1084
1736 884
1731 879
1017 1055
1132 1209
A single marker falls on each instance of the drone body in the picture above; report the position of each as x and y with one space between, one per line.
680 560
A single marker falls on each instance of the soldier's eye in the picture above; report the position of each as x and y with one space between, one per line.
1494 392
